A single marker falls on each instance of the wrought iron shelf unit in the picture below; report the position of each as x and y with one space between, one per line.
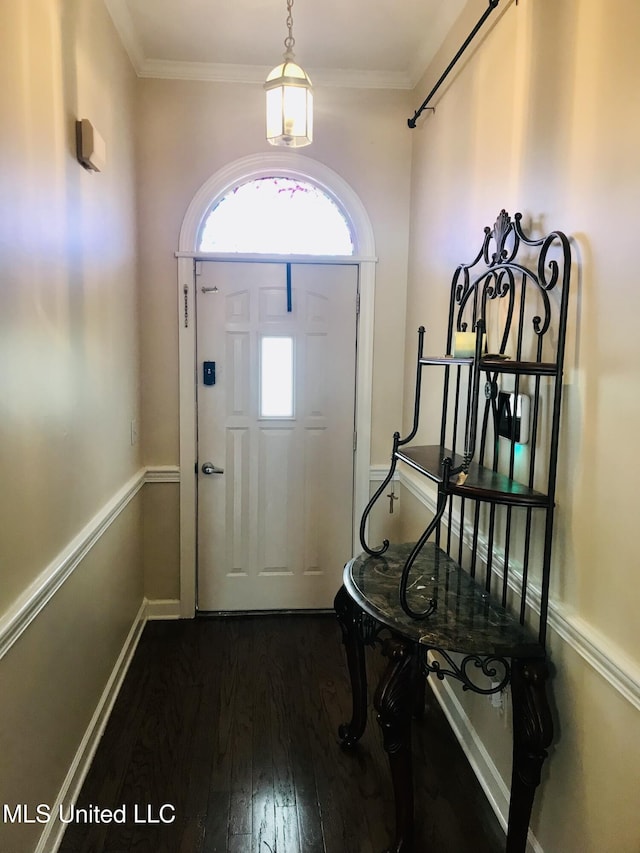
464 587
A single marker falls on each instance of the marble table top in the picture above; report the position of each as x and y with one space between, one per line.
467 619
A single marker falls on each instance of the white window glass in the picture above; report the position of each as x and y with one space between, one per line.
276 377
277 216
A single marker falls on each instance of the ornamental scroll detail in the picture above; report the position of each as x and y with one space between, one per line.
508 261
472 670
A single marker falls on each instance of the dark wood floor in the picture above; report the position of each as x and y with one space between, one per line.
233 721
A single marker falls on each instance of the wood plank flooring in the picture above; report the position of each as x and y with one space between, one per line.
232 722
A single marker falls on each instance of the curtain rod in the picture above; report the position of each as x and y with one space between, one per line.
425 105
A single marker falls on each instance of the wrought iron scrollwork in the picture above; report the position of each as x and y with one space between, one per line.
397 442
500 250
495 668
432 604
501 230
377 552
460 289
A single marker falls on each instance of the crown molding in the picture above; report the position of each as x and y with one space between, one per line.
218 72
125 28
212 72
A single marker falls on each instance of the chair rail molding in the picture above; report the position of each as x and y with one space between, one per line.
162 474
37 595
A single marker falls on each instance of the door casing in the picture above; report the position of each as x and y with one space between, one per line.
248 168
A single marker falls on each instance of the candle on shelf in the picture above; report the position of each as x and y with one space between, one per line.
464 345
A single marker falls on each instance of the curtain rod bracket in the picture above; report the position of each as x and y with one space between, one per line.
412 121
425 105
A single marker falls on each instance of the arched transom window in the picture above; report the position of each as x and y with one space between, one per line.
276 215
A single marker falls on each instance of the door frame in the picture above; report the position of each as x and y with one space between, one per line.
285 164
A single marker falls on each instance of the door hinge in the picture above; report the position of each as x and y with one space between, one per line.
198 267
355 441
185 291
358 304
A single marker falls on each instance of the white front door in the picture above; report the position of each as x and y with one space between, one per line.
276 402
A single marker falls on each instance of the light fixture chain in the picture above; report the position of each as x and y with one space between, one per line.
289 41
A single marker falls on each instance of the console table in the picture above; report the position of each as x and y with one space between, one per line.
491 642
469 599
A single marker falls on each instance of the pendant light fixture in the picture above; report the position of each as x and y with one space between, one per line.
289 98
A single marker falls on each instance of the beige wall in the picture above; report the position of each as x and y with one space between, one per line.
191 130
161 541
68 381
68 351
543 119
52 679
71 345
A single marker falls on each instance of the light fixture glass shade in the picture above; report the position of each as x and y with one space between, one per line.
289 105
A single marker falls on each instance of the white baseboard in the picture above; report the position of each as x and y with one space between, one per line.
54 830
493 785
29 605
168 608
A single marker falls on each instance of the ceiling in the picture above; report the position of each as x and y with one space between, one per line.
363 43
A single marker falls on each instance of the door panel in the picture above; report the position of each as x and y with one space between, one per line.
275 529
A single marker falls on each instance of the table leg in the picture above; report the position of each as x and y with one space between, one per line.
349 615
394 702
532 734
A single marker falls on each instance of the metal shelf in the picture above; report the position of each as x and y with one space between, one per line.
481 483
